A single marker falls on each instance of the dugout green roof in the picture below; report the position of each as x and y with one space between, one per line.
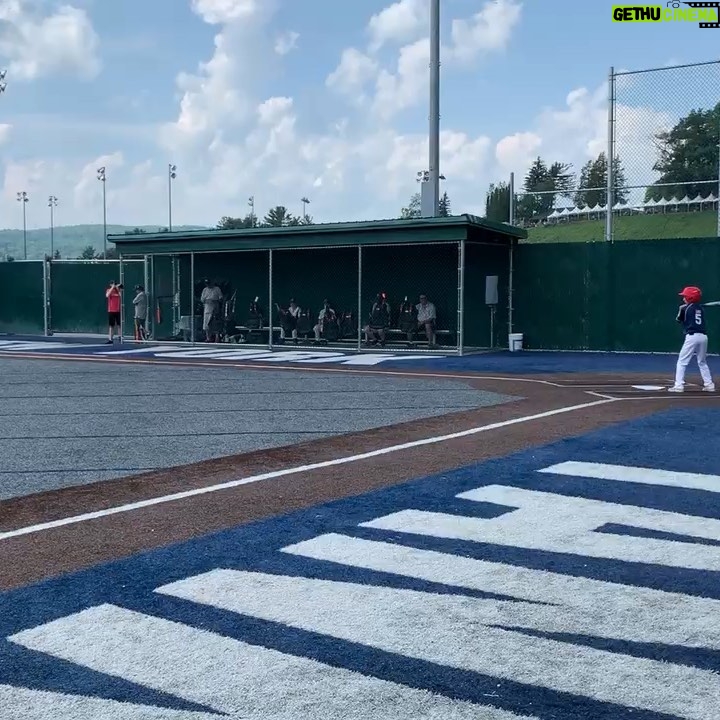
375 232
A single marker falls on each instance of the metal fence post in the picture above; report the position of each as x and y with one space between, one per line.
192 298
511 218
510 287
610 158
718 185
359 298
121 273
46 299
175 269
152 306
270 299
146 285
461 298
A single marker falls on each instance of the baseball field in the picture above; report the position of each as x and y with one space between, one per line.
189 533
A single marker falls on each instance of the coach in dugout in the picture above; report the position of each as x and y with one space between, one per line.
426 318
211 298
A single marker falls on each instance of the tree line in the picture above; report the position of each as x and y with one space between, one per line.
544 184
278 216
687 159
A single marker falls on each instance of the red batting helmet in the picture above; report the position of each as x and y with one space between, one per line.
691 294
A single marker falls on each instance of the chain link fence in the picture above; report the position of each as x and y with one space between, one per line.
663 131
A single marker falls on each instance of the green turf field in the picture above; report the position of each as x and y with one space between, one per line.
634 227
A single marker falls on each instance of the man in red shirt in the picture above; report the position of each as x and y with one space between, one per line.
113 305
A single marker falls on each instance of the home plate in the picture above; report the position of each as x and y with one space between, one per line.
648 387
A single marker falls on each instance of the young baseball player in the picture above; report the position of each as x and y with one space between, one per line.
691 316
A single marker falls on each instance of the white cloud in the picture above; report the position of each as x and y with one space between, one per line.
217 12
274 109
216 97
403 86
24 176
39 46
400 22
488 31
353 74
286 43
577 132
518 150
402 89
4 132
464 158
88 189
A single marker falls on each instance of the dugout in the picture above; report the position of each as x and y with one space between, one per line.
455 261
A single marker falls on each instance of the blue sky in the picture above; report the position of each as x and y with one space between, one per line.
301 98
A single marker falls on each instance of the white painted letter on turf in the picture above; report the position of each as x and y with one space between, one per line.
450 630
563 524
245 681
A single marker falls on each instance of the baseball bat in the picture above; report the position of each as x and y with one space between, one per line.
715 302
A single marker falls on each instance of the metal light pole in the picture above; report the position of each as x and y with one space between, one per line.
22 197
434 160
52 204
171 176
426 207
251 203
101 177
305 202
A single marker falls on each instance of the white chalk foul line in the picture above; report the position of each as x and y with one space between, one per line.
293 471
364 370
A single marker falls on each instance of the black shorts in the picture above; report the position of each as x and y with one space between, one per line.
113 319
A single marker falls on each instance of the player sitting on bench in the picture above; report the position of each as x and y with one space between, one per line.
289 320
255 316
379 321
425 320
326 324
407 321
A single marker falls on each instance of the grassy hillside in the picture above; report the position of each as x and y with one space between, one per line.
70 240
632 227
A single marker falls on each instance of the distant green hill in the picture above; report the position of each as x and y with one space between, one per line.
70 240
631 227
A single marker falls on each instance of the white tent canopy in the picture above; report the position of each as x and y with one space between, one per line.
633 208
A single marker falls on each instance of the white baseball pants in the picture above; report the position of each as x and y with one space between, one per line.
694 345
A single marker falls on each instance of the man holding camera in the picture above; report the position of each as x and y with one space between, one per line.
114 302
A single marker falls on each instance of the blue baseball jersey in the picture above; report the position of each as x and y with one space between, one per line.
692 318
